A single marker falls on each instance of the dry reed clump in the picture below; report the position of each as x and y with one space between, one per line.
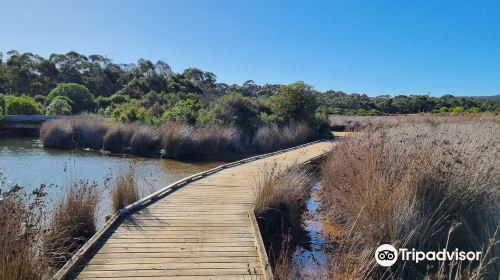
73 133
20 228
183 141
117 138
273 137
172 140
426 184
279 205
72 223
125 190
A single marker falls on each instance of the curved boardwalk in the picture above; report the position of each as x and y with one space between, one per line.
203 230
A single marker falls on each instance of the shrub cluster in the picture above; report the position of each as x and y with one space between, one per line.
21 105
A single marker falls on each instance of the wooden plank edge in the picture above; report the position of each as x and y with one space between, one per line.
261 250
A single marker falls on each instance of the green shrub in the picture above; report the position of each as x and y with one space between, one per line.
184 111
474 110
294 102
118 98
59 106
235 109
133 112
457 109
80 97
21 105
103 102
2 105
39 98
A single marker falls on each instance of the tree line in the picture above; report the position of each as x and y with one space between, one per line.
151 92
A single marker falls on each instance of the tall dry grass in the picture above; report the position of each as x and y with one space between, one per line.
20 234
425 183
72 223
208 141
125 190
172 140
358 123
279 205
35 241
273 137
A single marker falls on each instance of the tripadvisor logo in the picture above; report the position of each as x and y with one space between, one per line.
387 255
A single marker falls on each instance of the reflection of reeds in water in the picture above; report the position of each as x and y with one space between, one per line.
425 184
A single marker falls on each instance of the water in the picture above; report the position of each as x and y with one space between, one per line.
311 260
23 161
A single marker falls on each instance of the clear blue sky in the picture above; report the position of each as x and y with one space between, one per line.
372 47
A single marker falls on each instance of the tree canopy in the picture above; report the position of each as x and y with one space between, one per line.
151 92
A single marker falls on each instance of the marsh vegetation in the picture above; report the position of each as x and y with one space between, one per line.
420 182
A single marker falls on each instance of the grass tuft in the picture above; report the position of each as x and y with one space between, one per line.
125 191
73 223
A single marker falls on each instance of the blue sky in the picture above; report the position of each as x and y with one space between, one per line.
372 47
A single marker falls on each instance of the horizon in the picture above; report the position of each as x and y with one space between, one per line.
431 48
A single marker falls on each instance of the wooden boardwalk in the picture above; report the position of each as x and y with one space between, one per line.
204 229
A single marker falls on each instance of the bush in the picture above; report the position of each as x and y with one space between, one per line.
427 184
183 111
103 102
21 105
80 97
58 106
133 112
118 98
235 109
294 102
40 99
474 110
2 105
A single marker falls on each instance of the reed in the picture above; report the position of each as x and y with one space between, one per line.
125 190
73 222
172 140
427 184
279 205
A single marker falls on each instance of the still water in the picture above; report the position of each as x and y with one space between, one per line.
24 162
